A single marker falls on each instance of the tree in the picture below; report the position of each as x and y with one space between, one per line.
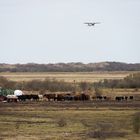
98 91
84 86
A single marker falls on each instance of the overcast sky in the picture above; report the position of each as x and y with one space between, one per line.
50 31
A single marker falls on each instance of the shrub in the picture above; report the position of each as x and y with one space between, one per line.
103 135
62 122
136 122
104 130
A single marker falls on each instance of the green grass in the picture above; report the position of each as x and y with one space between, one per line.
40 121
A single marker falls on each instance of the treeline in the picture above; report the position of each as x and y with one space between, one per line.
69 67
37 85
131 81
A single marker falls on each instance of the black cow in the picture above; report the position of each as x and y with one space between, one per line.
22 97
131 97
34 97
119 98
125 97
69 97
99 97
28 97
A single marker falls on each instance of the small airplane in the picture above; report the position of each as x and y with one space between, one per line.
91 23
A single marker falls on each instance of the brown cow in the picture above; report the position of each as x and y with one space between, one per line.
12 98
61 97
50 96
82 97
3 98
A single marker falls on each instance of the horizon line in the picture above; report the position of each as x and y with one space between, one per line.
71 62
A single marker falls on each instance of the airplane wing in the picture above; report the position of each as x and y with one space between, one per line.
97 22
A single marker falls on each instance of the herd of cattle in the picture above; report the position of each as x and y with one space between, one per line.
61 97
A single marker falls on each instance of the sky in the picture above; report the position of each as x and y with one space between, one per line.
52 31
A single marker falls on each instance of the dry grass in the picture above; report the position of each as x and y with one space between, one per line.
49 121
121 92
66 76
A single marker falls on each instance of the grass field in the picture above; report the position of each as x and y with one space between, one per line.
66 76
67 121
91 120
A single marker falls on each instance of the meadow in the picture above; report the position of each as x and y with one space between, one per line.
70 120
67 121
65 76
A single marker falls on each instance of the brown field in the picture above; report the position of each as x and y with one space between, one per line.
66 76
68 120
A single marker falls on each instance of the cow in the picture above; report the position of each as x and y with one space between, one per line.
119 98
131 97
28 97
125 97
40 97
3 98
68 97
34 97
104 97
85 97
100 98
81 97
12 98
61 97
22 97
50 96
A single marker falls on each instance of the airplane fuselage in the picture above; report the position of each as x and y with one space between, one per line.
91 23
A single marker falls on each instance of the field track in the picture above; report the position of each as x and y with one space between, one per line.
76 104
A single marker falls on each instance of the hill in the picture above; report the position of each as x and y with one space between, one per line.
69 67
